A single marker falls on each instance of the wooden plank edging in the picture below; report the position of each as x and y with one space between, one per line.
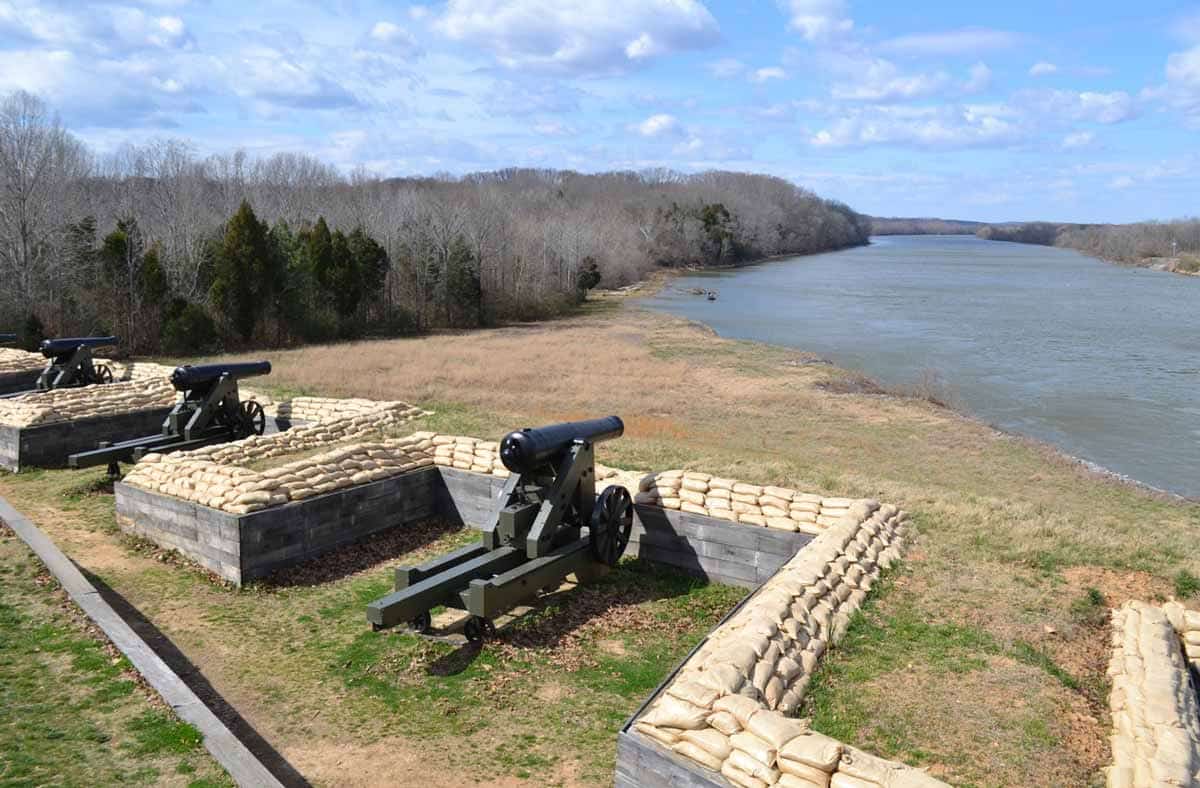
227 749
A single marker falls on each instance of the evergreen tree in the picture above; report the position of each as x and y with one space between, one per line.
464 293
242 272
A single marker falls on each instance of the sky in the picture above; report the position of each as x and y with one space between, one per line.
1065 111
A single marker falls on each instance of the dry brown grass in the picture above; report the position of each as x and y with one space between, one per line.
1007 525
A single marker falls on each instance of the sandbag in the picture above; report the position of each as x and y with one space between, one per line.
694 693
725 722
813 749
689 750
663 735
741 707
775 729
745 762
740 778
747 489
756 748
671 712
713 742
801 774
693 508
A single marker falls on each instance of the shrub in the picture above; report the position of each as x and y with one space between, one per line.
187 329
1186 584
1091 609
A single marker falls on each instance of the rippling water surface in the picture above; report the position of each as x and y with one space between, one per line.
1100 360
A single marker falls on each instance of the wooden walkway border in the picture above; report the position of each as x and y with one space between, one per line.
227 749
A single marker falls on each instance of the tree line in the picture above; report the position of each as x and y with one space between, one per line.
180 253
1139 243
894 225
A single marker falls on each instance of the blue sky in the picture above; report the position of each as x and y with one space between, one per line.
1073 111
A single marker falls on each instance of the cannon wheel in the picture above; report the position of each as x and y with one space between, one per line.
253 417
478 629
104 373
612 521
421 624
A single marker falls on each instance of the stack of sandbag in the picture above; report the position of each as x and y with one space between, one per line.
71 404
309 436
135 370
468 454
1187 626
329 409
14 360
728 499
1156 722
239 490
225 487
763 657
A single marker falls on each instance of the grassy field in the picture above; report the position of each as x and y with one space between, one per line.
297 660
982 657
71 710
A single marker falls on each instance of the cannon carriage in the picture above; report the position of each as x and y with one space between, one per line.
548 522
210 411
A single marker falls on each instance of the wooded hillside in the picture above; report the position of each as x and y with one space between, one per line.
1126 243
182 253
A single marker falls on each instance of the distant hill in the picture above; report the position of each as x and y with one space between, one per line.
893 225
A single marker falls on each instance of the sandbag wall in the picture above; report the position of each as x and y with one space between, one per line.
729 707
1156 719
71 404
741 502
14 360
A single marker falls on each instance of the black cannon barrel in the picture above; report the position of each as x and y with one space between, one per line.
526 450
189 376
6 338
56 347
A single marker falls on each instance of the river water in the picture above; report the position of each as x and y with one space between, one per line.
1100 360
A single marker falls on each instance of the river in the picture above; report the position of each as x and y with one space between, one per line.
1101 360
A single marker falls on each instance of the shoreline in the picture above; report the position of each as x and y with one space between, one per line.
1091 467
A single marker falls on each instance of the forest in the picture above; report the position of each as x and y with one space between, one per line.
174 252
894 225
1139 243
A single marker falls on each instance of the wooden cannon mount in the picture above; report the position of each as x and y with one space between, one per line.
70 363
548 523
209 412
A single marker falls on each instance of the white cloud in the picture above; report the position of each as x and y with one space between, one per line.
953 42
943 127
554 129
877 79
817 19
1077 140
1182 91
390 33
1121 182
768 73
1042 68
726 67
1089 106
658 125
979 79
578 36
418 12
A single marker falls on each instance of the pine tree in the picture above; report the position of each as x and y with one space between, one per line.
242 275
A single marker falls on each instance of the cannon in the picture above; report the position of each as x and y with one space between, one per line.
547 523
70 364
7 339
209 412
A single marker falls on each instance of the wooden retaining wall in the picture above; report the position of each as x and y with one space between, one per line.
49 445
718 550
12 382
240 548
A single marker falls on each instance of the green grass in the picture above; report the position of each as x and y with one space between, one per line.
70 712
1187 585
